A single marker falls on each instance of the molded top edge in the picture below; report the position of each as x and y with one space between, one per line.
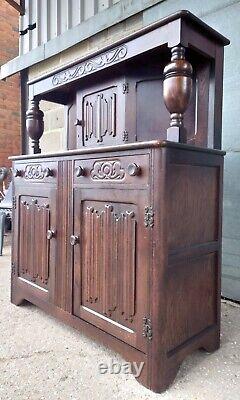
112 149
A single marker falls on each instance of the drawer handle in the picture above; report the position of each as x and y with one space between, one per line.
17 172
48 172
78 122
74 240
50 234
79 171
133 169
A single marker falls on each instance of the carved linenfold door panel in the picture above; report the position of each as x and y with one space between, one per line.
100 113
99 116
36 236
34 224
109 251
110 261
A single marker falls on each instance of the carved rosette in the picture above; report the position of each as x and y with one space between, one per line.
91 65
107 170
34 171
34 124
177 89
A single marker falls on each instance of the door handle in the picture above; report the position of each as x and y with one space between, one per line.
50 234
74 240
48 172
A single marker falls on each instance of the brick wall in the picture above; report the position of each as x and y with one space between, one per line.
9 89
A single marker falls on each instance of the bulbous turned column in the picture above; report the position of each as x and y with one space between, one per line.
34 124
177 89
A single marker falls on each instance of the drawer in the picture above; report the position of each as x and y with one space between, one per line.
129 169
41 172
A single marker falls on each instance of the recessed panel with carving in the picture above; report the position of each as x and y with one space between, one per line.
34 245
110 262
36 235
100 113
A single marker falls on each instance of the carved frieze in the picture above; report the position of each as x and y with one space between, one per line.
107 170
110 57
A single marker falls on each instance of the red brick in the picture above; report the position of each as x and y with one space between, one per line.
9 89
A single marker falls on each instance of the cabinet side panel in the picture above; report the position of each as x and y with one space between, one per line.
194 248
191 305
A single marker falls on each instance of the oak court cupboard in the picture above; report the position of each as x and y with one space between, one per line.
119 236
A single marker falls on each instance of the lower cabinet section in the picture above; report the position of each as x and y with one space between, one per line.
124 245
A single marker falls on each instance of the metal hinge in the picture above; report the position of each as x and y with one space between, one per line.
125 136
125 88
29 28
13 268
149 217
14 202
147 328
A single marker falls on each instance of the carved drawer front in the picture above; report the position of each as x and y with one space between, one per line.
119 170
40 172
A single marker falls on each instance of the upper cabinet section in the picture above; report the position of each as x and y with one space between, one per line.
163 82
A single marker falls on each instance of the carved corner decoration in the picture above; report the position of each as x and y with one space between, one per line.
14 202
107 170
35 222
87 67
149 217
13 268
125 136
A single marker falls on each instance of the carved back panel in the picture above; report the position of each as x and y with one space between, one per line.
111 265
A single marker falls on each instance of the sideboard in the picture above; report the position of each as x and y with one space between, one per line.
119 235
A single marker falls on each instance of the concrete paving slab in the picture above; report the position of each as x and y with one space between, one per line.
43 359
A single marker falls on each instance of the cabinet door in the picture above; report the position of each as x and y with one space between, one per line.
111 261
101 114
35 232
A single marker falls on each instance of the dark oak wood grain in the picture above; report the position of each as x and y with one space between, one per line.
134 256
119 236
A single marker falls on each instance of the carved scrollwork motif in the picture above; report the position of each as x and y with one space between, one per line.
34 171
107 170
91 65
